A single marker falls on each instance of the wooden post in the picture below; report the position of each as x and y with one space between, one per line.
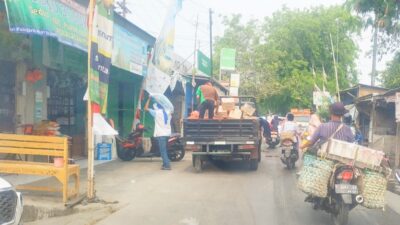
397 160
336 72
90 169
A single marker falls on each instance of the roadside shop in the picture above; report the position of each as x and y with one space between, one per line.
44 73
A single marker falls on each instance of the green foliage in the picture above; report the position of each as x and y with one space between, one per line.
383 15
391 76
276 56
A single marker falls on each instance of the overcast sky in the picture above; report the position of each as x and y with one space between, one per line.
149 15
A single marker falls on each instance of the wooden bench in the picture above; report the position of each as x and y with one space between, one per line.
39 146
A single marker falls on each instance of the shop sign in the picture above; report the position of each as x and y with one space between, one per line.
62 19
203 63
235 80
129 51
228 59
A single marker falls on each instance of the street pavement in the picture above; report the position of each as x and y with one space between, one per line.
222 194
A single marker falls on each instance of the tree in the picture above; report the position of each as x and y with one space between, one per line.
276 56
391 76
382 15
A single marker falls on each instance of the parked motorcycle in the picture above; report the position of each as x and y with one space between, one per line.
274 140
343 195
131 147
290 152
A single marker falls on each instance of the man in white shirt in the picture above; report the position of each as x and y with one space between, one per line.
162 130
290 126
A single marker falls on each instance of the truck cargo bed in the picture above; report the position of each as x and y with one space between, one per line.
231 131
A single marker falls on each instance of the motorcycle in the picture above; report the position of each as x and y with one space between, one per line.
290 152
132 146
273 140
343 195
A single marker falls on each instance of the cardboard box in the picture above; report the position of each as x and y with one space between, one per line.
235 114
221 115
228 104
248 109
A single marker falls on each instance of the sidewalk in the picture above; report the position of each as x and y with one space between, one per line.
26 179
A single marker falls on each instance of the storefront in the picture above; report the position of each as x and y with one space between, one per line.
49 79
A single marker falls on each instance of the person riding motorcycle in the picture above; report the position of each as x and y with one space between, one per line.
266 129
325 130
290 126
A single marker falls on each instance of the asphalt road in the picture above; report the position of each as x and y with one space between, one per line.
223 194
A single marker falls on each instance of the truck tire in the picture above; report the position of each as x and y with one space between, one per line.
197 163
253 164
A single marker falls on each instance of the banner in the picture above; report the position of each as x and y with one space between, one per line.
62 19
203 63
101 51
164 47
228 59
129 52
321 97
157 81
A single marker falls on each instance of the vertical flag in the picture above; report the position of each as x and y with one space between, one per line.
325 81
100 55
164 46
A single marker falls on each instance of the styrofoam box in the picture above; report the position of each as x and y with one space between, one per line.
369 156
339 148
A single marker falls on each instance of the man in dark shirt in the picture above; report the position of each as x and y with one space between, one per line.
275 123
326 130
266 128
210 96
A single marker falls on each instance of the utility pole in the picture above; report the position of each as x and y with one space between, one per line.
90 169
194 59
211 43
374 53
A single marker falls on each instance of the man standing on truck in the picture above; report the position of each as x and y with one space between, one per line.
209 101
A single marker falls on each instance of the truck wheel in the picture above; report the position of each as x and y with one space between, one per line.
197 163
253 164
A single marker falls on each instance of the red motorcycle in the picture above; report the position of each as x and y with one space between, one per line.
132 146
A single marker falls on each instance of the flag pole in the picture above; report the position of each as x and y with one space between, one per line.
90 169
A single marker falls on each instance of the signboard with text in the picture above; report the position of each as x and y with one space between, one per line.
228 59
203 63
62 19
129 51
